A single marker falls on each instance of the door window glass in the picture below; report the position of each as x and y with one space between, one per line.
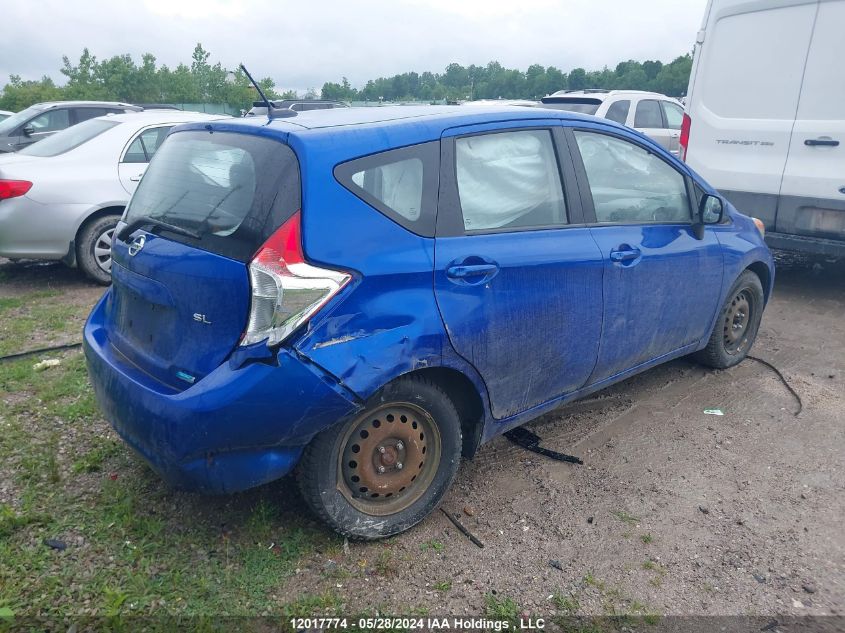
50 121
630 184
141 149
618 111
509 180
83 114
648 114
674 115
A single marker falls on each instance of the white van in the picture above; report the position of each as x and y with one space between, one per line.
765 116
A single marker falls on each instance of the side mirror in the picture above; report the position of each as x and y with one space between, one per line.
710 209
28 130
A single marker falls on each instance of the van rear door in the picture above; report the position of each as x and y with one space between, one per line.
812 196
743 104
180 295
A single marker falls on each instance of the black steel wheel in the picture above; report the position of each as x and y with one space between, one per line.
737 325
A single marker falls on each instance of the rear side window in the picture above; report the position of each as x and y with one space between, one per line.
618 111
144 145
648 114
233 190
509 180
401 183
83 114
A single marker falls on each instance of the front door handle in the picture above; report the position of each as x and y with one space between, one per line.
624 255
826 142
464 271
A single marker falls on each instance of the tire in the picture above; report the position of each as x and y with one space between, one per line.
737 325
411 419
95 238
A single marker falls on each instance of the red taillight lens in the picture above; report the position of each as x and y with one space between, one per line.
13 188
686 124
286 291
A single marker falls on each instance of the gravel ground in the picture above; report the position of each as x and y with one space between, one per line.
674 511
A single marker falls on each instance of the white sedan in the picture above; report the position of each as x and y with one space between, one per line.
61 199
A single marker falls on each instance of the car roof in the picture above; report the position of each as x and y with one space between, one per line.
147 117
53 104
442 117
601 95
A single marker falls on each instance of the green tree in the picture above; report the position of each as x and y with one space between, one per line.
19 94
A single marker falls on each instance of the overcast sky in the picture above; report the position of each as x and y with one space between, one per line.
304 43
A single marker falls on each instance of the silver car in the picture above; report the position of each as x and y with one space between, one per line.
651 113
61 199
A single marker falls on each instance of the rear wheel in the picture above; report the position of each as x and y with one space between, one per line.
385 470
93 248
737 325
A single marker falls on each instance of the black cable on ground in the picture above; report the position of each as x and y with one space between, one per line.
33 352
783 380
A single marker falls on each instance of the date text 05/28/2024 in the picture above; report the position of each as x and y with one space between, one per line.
418 624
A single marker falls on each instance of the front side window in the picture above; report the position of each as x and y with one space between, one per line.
509 180
142 148
618 111
629 184
50 121
674 115
401 183
648 114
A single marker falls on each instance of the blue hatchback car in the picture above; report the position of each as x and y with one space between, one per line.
367 294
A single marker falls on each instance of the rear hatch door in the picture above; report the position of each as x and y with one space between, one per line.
180 293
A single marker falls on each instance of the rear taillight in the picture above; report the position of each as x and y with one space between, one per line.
286 291
684 139
13 188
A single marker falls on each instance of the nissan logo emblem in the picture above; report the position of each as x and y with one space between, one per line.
137 244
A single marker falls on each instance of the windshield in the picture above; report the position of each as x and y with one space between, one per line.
68 139
231 190
8 126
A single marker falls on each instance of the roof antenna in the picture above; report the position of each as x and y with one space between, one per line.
272 111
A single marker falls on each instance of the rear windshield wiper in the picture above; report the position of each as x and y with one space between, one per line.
155 223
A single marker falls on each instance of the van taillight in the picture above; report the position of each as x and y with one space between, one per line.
13 188
684 139
286 291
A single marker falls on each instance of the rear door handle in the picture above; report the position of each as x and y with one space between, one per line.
136 178
625 255
827 142
463 271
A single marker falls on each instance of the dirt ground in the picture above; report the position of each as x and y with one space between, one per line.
674 511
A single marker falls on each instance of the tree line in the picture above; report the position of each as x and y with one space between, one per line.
494 81
120 78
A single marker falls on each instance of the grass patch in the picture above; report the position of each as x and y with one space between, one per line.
567 604
443 585
646 538
502 608
437 546
628 519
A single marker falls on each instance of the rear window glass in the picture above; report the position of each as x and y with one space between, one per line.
618 111
233 190
572 104
68 139
401 183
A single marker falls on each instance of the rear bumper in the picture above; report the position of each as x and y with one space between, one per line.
235 429
805 244
31 230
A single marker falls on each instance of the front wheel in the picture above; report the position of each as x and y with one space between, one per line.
737 325
386 469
